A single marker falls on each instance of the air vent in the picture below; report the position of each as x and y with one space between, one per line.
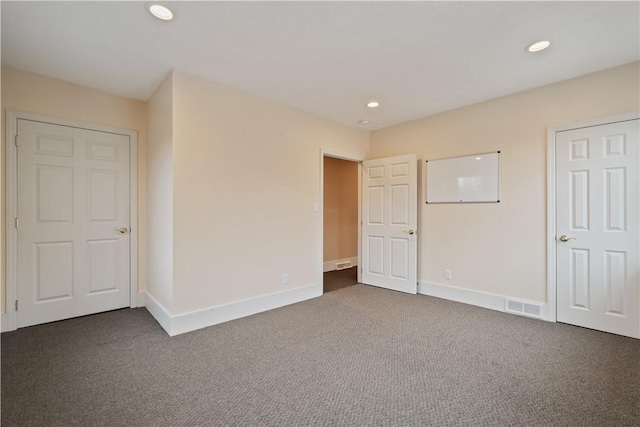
516 306
532 309
524 308
343 264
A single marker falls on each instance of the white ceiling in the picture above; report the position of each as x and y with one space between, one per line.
328 58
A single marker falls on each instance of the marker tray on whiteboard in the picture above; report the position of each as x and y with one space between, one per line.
465 179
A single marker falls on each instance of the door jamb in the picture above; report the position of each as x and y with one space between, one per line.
9 319
353 158
551 197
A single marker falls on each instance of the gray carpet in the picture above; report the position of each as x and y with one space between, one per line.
356 356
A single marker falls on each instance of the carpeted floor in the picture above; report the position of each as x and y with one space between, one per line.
356 356
339 279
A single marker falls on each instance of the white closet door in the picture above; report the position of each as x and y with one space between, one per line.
598 227
73 210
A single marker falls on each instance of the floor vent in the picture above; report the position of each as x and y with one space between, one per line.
524 308
343 264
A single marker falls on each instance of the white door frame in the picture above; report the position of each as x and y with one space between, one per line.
353 158
9 320
551 197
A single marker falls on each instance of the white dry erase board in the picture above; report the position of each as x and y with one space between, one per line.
465 179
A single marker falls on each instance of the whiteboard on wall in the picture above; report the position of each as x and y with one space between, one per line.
466 179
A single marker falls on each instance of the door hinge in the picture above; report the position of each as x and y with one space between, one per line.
16 305
15 140
17 223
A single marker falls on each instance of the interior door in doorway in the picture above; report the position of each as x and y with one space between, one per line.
389 223
73 209
598 227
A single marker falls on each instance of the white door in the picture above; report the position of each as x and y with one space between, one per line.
598 227
389 223
73 210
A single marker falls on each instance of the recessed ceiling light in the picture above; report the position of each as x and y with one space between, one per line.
373 104
538 46
478 158
364 122
161 12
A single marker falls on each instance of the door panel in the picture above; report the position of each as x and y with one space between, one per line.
54 271
389 220
73 197
598 192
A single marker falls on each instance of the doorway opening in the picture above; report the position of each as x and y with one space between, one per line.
340 219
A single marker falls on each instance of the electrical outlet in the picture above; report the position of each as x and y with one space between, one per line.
447 274
285 278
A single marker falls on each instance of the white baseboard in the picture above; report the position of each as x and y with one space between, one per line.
186 322
471 297
5 323
159 312
141 299
331 265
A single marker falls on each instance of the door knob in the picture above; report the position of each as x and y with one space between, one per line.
565 238
410 231
123 229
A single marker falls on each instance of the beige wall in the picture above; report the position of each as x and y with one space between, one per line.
233 180
500 248
43 95
159 242
340 209
246 177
